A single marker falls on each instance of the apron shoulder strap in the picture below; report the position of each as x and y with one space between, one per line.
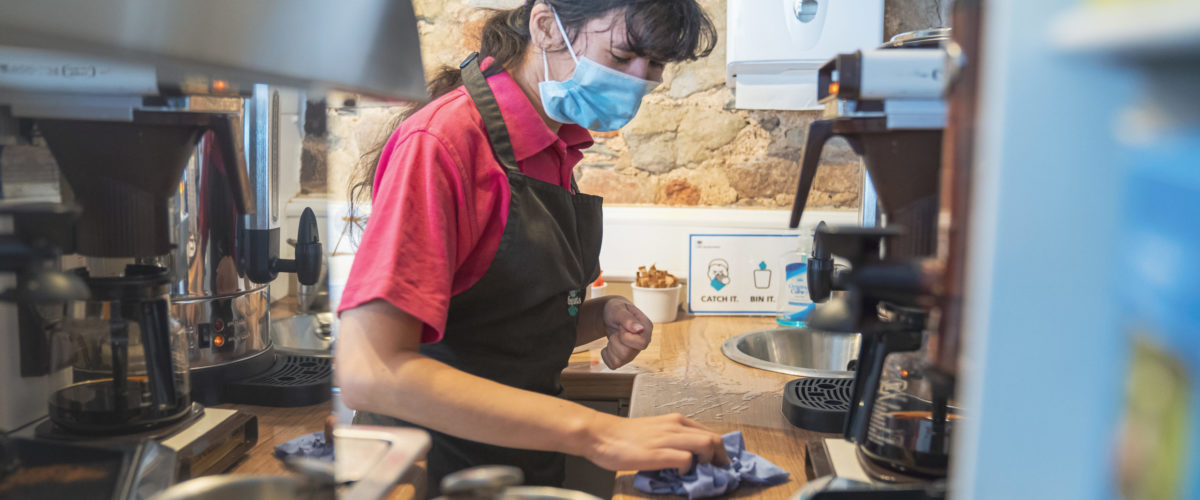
489 109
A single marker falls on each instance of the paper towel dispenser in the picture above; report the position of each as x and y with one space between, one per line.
775 47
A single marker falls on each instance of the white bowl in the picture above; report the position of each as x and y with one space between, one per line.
661 305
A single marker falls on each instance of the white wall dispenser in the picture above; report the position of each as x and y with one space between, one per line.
775 47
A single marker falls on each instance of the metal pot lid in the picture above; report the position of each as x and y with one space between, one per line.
499 482
544 492
236 487
931 37
527 493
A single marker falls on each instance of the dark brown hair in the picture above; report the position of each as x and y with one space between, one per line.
662 30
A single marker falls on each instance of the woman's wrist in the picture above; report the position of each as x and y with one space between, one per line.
584 431
591 319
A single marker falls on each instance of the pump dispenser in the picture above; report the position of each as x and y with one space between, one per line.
794 301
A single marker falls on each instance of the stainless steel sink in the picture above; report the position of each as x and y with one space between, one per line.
307 334
795 351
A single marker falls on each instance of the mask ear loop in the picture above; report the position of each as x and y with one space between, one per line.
566 38
570 49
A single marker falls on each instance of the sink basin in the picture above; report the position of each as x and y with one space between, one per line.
795 351
307 334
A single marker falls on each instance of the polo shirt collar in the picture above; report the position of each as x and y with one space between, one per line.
526 129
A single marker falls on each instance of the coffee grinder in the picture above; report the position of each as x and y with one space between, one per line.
888 105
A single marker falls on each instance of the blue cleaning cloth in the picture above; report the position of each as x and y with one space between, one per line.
309 446
707 480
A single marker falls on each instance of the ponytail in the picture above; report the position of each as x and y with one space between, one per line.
663 30
504 39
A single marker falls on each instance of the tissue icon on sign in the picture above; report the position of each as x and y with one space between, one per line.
718 273
762 276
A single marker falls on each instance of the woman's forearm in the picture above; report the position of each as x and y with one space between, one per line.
379 370
418 389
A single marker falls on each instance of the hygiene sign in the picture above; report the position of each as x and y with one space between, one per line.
736 273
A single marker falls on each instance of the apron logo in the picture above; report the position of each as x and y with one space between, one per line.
573 301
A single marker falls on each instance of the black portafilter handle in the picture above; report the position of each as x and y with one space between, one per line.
858 245
820 266
309 252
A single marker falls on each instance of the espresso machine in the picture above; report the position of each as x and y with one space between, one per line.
887 282
134 290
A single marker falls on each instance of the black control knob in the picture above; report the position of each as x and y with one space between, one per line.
260 253
307 264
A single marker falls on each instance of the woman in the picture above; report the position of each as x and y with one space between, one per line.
465 298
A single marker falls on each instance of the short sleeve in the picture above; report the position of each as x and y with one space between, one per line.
419 224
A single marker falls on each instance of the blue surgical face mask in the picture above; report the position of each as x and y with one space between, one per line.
596 97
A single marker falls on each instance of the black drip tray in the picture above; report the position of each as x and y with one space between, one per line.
294 380
818 404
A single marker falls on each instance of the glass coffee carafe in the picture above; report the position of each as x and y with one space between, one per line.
127 354
904 419
911 424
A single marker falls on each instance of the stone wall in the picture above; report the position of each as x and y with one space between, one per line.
687 146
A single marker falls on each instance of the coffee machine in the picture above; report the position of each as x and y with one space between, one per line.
125 353
159 118
888 104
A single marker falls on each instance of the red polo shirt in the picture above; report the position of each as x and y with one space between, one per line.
440 201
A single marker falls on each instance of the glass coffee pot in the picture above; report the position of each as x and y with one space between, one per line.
900 412
127 354
906 425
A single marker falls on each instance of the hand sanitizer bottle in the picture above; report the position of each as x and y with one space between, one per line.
794 301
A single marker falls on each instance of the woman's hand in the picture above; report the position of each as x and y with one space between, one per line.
652 443
628 331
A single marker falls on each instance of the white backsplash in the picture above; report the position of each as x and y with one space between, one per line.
640 236
633 235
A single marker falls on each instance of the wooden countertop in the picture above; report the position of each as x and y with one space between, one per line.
275 427
280 425
683 371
